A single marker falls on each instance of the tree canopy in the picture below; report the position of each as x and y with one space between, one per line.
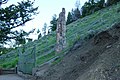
91 6
15 16
110 2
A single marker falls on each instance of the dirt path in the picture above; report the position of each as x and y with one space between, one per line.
10 77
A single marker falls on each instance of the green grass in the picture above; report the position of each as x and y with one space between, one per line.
99 21
45 58
9 64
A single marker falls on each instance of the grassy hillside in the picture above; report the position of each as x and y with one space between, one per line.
80 29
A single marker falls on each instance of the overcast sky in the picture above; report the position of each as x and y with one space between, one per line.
47 9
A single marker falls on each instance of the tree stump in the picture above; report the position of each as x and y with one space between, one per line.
61 31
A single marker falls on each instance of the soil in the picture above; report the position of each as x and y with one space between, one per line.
97 59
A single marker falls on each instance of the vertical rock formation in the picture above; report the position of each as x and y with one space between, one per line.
61 31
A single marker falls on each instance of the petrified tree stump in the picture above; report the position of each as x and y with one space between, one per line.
61 31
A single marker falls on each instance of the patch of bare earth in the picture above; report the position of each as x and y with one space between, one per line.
96 59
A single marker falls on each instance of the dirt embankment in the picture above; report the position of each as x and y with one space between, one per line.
97 59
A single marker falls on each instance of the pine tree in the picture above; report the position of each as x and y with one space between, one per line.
15 16
69 18
77 14
53 23
91 6
44 29
86 9
101 4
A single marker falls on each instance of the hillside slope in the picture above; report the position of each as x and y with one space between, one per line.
97 59
82 29
90 59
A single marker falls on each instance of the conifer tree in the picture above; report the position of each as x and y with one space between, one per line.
53 23
15 16
69 18
44 29
77 14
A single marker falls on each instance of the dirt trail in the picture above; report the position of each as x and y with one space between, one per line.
10 77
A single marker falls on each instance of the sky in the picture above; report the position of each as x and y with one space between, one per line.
47 9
